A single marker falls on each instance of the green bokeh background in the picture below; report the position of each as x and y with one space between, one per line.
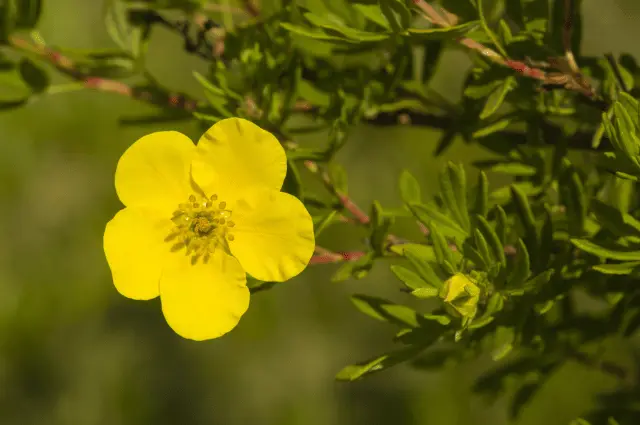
74 352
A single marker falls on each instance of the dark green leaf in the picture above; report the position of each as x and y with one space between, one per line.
33 75
292 183
373 13
608 253
619 268
441 248
379 228
396 13
397 314
520 270
492 239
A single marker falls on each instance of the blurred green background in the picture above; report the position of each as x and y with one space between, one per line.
75 352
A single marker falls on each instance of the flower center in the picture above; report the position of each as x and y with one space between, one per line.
201 226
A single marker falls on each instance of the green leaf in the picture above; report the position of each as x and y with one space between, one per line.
482 248
379 363
379 229
521 266
33 75
497 97
338 176
438 33
427 292
546 239
491 128
532 284
28 13
324 222
396 13
513 168
501 224
492 239
619 268
9 11
603 252
397 314
574 198
315 34
525 214
444 256
373 13
292 183
350 34
502 342
409 188
409 278
481 206
354 269
625 133
614 220
427 213
453 187
514 10
419 257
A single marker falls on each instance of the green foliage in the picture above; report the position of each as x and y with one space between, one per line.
494 266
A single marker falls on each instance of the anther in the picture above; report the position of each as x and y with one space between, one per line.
230 237
222 205
214 197
230 223
192 198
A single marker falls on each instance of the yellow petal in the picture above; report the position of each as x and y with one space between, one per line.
205 300
135 249
242 155
154 172
273 238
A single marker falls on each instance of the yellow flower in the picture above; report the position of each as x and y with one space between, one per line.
461 295
198 217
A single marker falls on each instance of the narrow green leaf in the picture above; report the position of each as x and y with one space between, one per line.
373 13
482 247
602 252
546 239
440 245
427 213
386 311
487 29
438 33
520 270
501 224
481 206
453 188
409 188
324 222
379 363
497 98
574 198
409 278
491 128
621 224
492 239
379 228
396 13
618 268
626 131
419 258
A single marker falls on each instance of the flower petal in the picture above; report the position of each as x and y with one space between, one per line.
205 300
135 249
273 238
242 154
155 171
